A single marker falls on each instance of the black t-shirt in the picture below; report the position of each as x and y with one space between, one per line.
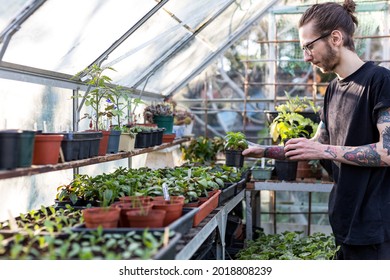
359 205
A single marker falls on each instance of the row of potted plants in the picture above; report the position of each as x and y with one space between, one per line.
189 181
129 194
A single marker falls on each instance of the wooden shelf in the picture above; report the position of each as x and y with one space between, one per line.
38 169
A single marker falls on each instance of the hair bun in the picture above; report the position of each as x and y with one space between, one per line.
349 6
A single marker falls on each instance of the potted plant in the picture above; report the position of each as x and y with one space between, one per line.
104 216
298 117
160 114
235 143
127 138
202 150
302 106
183 123
99 97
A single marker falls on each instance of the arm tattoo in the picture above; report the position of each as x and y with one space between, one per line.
364 156
331 151
383 116
386 139
275 152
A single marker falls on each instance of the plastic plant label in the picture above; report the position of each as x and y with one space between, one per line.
165 191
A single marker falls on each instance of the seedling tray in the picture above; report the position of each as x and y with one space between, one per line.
181 225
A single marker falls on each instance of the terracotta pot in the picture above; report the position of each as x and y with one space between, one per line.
173 210
47 148
104 143
101 216
178 198
126 207
304 170
168 138
135 198
192 204
139 219
203 199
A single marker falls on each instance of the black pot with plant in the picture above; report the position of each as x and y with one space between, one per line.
235 143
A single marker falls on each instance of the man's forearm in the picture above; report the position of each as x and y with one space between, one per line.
275 152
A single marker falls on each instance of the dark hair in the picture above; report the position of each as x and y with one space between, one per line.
330 16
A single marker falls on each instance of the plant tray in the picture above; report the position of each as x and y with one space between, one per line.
206 208
241 185
259 173
167 252
181 225
30 222
227 193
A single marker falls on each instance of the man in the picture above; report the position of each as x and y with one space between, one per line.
354 133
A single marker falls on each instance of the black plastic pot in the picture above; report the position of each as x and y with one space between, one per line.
234 158
113 141
26 148
143 140
9 148
286 170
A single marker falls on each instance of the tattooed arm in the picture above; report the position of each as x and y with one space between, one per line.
275 152
373 154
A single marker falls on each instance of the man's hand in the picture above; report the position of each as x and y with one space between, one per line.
254 151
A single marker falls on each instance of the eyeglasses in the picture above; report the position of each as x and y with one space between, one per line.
309 46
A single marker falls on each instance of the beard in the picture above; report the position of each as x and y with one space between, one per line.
329 60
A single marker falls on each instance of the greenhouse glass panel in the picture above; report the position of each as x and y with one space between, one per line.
235 17
194 13
66 36
210 40
144 47
178 67
8 11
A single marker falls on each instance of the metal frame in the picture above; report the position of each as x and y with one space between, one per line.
280 186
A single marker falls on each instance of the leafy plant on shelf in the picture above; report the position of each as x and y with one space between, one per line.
123 106
297 104
159 109
291 125
235 141
289 246
290 122
202 149
99 95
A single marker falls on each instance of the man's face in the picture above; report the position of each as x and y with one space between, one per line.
317 49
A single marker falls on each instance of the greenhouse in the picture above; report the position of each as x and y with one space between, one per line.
149 104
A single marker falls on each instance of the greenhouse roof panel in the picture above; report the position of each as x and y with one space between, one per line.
66 36
9 10
156 45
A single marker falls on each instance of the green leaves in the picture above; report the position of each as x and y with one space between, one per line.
235 141
202 149
84 246
289 246
290 123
